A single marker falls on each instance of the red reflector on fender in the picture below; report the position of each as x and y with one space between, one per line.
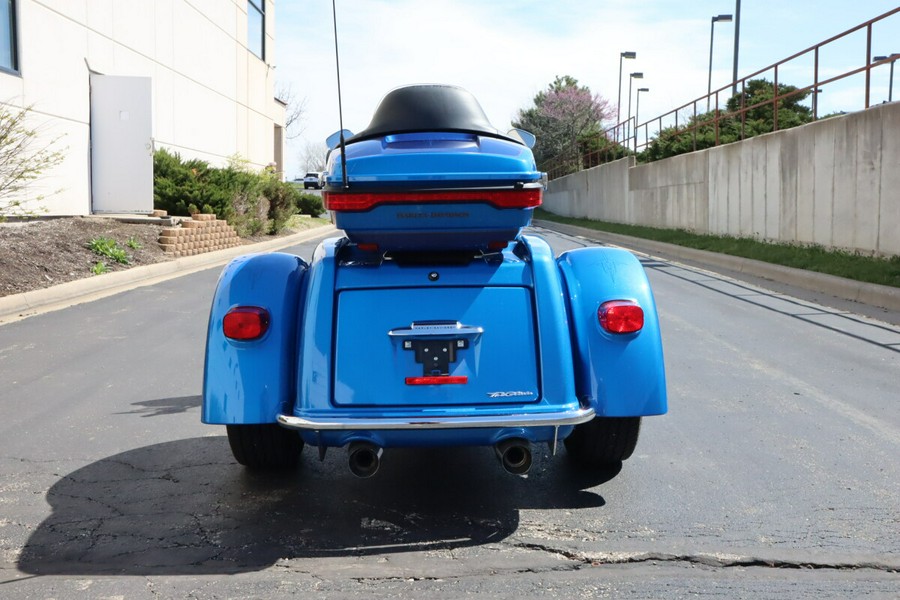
245 323
359 201
621 316
437 380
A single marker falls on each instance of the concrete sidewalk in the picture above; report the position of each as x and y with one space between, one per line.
20 306
881 296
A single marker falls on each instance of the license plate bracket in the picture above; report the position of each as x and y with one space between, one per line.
435 355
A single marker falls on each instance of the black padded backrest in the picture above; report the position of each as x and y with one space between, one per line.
418 108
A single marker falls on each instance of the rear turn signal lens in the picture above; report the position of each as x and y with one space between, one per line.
621 316
246 323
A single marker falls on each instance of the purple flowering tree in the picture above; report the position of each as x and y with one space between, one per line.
563 118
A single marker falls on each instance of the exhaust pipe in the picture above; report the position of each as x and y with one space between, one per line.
364 458
514 455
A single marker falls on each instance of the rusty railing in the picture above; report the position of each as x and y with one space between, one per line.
622 139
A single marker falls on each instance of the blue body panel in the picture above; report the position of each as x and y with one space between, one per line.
622 375
252 381
329 353
434 159
371 365
351 369
442 225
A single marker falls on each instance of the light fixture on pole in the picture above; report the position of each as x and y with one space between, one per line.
893 58
619 105
631 78
712 29
637 112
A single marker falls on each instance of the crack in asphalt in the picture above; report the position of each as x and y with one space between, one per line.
722 560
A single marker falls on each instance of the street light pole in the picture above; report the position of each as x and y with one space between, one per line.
893 58
712 29
891 84
737 37
631 78
619 105
637 111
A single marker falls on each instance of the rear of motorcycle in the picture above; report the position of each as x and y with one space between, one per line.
435 321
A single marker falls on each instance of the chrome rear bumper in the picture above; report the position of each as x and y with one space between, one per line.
344 423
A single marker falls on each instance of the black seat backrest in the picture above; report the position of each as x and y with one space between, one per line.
418 108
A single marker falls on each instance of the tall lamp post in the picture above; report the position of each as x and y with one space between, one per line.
893 58
631 78
637 111
619 105
712 30
737 38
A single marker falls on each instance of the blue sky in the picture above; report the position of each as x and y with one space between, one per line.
505 51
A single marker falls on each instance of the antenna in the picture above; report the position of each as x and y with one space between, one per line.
337 62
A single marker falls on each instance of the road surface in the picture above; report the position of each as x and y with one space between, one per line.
774 475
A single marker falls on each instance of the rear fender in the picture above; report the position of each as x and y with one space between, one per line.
621 375
248 382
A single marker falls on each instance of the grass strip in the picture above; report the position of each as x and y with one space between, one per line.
850 265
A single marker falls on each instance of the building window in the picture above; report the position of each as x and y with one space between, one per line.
9 61
256 27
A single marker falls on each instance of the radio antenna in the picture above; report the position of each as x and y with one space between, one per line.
337 62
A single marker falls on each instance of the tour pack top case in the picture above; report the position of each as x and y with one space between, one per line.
431 173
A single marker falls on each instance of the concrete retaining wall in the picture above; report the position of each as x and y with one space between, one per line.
835 182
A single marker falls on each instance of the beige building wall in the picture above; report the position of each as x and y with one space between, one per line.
212 98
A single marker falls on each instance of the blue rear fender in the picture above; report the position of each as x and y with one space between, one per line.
621 375
249 382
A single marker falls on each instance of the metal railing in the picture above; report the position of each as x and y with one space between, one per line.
623 138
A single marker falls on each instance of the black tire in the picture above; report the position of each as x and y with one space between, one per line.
264 447
603 441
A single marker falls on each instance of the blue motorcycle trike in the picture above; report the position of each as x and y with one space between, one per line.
434 321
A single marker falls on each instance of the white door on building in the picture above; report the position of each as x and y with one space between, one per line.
121 145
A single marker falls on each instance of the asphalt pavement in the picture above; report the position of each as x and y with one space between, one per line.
771 476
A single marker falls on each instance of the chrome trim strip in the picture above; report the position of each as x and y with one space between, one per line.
548 419
421 329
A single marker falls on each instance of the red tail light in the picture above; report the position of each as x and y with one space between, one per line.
359 201
621 316
437 380
246 323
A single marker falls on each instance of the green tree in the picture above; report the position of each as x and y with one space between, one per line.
758 118
761 118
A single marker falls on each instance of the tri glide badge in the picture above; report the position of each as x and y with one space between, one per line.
508 394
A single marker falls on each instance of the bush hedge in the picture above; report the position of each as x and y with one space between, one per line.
253 202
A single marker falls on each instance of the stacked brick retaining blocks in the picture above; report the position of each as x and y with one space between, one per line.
201 233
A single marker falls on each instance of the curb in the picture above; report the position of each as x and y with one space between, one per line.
20 306
882 296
